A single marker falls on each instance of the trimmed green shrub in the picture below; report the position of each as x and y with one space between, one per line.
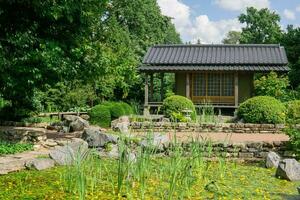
126 107
262 109
293 111
118 109
174 105
100 115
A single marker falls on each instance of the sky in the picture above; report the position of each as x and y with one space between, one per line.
210 20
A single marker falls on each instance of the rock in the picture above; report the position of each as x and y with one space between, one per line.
122 124
50 143
112 152
40 163
157 141
95 138
288 169
65 155
85 117
272 160
75 123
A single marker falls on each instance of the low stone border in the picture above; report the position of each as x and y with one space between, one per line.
245 150
208 127
22 134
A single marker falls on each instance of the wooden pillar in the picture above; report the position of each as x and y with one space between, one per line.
187 86
236 89
146 90
151 87
162 86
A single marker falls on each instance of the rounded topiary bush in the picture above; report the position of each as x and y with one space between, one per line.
293 111
174 105
126 107
100 115
262 109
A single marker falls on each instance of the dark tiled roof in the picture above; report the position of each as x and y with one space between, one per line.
257 68
198 57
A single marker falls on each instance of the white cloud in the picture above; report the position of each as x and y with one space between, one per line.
239 5
200 27
289 14
298 8
212 31
179 12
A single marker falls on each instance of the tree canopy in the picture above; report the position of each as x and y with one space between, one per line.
232 37
262 26
96 43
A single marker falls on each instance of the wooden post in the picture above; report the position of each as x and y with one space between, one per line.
236 89
151 87
146 90
162 86
187 86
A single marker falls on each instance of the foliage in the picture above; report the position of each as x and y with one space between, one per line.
262 26
272 85
118 109
294 135
293 111
100 115
262 109
12 148
174 105
97 42
232 37
291 41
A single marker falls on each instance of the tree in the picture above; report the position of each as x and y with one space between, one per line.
291 41
272 85
232 37
95 43
262 26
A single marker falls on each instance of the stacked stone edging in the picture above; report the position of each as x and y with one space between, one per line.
208 127
22 134
244 150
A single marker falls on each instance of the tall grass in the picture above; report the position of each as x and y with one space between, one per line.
174 176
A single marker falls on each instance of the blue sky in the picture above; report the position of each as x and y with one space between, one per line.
210 20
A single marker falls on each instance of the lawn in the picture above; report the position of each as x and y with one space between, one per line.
160 179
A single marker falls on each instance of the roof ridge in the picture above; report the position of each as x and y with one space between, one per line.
216 45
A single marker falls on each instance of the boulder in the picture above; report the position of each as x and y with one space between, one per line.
288 169
95 138
272 160
157 141
40 163
75 123
122 124
65 155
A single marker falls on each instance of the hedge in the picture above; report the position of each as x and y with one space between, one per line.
100 115
262 109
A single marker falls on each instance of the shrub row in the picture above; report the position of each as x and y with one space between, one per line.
104 113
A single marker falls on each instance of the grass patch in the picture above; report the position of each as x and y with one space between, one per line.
12 148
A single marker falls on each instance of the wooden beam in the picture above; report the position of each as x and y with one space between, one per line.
146 90
187 84
151 86
162 85
236 89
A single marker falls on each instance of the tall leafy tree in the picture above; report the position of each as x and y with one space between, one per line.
262 26
232 37
291 42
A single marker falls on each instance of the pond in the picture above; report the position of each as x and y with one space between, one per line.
148 178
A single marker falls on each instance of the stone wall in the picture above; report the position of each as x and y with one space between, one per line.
207 127
22 134
245 151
